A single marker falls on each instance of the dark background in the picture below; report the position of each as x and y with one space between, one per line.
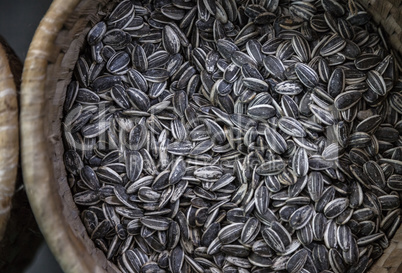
18 22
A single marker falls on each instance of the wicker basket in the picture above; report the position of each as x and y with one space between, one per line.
47 71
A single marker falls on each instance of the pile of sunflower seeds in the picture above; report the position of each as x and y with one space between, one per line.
236 136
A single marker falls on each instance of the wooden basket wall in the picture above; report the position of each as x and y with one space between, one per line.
47 71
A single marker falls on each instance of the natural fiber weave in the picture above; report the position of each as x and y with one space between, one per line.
47 71
388 13
391 261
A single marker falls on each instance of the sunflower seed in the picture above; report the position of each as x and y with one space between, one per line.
301 217
291 127
376 82
273 239
230 233
289 87
307 76
297 261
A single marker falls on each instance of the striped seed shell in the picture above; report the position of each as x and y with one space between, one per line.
307 76
336 207
275 141
291 127
301 217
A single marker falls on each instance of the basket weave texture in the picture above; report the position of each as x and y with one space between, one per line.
388 13
47 71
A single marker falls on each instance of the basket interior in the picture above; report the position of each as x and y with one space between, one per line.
60 68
